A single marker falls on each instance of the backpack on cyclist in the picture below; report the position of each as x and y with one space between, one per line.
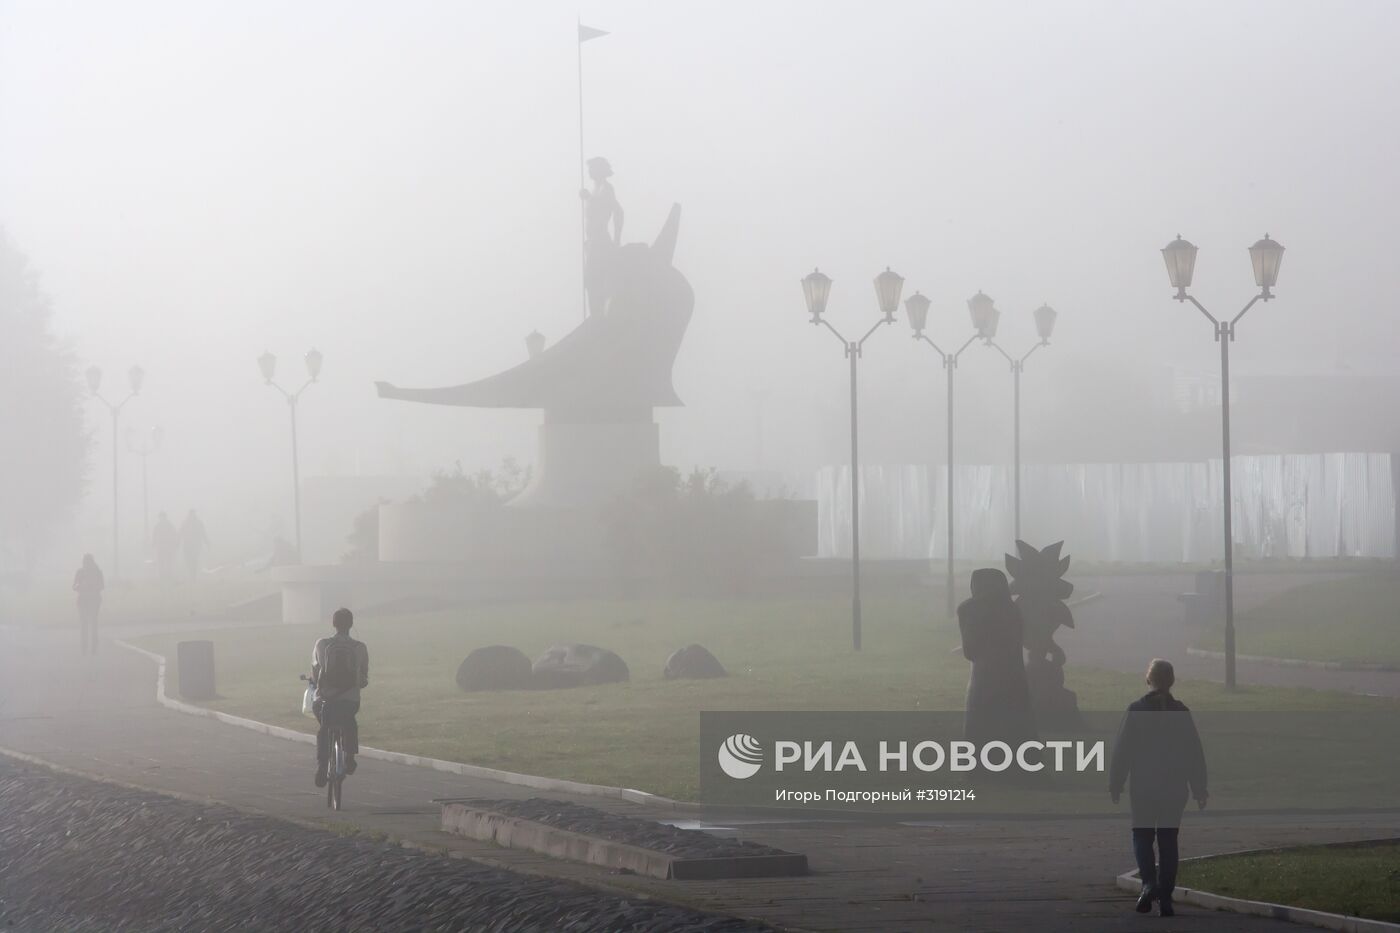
342 667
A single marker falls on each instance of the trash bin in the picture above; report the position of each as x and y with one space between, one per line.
1205 608
1211 585
195 660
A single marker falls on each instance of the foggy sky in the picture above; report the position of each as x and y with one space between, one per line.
396 185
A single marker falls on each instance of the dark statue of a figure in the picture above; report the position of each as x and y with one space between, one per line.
998 697
602 234
1040 589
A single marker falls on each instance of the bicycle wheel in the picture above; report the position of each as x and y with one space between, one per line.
332 772
339 781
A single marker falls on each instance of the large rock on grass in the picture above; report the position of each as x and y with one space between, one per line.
693 662
576 665
495 667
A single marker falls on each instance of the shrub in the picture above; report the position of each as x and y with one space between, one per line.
450 490
692 532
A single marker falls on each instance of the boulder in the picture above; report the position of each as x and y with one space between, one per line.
576 665
693 662
495 667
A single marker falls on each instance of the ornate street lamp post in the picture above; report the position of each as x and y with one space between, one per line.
984 321
816 289
1044 326
144 445
135 376
268 364
1266 255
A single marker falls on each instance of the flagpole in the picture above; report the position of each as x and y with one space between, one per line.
582 180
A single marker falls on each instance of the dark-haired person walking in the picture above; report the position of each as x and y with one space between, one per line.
89 583
1158 755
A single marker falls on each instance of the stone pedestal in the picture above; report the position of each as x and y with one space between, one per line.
586 464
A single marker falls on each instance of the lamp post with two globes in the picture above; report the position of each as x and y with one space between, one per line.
1044 326
816 289
135 376
984 322
268 364
1266 255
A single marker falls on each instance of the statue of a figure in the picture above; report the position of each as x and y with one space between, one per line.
998 699
602 234
597 384
1040 589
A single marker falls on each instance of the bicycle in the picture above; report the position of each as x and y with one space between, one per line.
335 766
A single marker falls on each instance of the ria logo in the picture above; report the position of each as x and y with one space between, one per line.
740 756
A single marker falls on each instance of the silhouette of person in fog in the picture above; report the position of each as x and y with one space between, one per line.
1158 756
193 538
998 698
88 583
601 212
166 542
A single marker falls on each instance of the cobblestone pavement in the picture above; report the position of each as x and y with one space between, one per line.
98 716
68 846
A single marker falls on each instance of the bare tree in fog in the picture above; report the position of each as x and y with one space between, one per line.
43 444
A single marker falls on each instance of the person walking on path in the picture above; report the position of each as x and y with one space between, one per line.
88 583
1158 755
166 541
998 697
193 538
340 670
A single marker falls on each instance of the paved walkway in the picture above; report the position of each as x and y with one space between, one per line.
98 716
1139 618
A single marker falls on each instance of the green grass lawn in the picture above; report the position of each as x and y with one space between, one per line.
1360 881
782 654
1353 619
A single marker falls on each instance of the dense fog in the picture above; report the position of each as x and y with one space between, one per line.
397 187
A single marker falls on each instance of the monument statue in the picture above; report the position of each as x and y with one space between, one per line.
601 212
597 385
1040 589
998 699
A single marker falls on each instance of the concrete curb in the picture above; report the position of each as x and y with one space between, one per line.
1354 666
555 785
1129 881
516 833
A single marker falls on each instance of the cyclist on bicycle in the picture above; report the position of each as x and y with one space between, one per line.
339 669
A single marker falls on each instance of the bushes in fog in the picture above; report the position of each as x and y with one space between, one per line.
452 490
692 532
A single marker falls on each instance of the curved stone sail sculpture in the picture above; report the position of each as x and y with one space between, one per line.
599 384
